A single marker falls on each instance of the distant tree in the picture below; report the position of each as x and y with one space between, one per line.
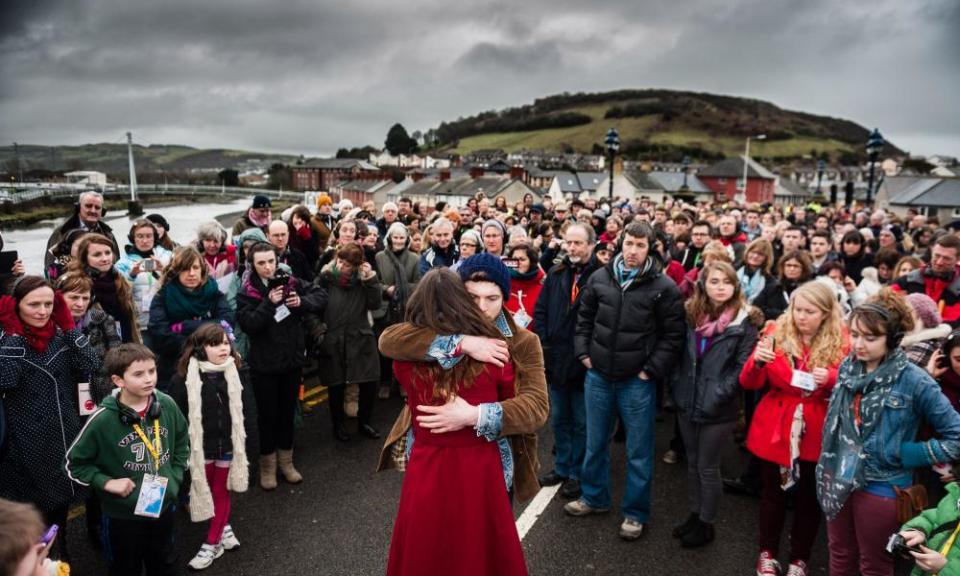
279 176
399 141
362 153
417 137
918 165
229 177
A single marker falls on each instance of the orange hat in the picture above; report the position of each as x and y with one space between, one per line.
324 200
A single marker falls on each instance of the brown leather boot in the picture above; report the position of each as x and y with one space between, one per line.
290 474
268 471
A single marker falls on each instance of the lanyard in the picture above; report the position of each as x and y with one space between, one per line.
154 448
946 547
574 290
857 418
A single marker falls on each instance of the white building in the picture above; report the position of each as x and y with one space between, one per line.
87 177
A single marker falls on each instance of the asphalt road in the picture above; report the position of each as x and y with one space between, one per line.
339 520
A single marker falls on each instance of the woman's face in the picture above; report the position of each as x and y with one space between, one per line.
887 239
837 276
348 233
955 359
884 272
807 317
217 353
851 248
416 243
211 246
467 248
345 267
792 269
720 288
603 256
36 307
397 242
905 268
493 240
612 227
190 277
755 259
143 238
78 303
100 257
868 347
523 261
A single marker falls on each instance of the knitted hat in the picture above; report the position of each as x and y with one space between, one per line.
489 265
159 221
324 200
261 201
926 310
493 222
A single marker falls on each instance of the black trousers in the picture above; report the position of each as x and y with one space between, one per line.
276 396
135 544
368 395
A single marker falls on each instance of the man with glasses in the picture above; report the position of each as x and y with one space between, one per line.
700 234
88 216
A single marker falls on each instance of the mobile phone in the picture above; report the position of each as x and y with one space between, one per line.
511 263
148 265
49 535
7 260
277 281
773 342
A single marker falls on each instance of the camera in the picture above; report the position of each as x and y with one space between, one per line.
279 280
897 546
148 265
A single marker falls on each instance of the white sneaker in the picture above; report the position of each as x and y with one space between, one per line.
205 557
670 457
631 529
229 539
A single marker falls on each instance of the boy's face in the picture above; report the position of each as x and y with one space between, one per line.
487 296
139 380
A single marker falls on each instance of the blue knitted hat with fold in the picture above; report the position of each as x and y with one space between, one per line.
491 266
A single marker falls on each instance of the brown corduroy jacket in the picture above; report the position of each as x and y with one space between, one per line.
523 415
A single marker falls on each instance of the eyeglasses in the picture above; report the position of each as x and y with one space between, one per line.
470 244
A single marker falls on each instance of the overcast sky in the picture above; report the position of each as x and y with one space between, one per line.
310 76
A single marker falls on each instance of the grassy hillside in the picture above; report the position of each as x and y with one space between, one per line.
659 124
112 158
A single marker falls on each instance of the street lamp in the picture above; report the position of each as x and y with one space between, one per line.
686 169
741 197
874 145
820 166
613 144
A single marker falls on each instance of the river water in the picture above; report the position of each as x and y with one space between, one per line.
30 242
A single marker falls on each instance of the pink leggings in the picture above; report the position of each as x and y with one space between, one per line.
217 472
858 536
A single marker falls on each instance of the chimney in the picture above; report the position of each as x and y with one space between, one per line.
476 171
444 175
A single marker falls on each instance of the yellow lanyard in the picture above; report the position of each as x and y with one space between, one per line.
154 448
946 547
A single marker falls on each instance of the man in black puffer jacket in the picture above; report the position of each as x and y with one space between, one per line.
630 332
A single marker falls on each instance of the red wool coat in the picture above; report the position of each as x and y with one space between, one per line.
769 435
524 293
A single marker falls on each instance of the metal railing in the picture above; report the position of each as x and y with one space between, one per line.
19 193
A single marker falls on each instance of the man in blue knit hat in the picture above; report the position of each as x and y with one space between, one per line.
512 423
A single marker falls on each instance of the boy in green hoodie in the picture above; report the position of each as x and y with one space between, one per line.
133 451
935 533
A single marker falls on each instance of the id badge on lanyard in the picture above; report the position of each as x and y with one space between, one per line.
153 487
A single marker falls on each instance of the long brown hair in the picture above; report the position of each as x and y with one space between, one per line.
441 303
209 334
700 308
123 287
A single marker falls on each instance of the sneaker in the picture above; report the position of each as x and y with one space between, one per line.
229 539
797 568
670 457
205 557
570 488
631 529
580 508
767 565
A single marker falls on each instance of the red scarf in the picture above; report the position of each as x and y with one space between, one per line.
39 338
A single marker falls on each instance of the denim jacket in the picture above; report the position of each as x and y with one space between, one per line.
892 450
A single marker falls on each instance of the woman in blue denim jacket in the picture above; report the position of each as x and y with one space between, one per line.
869 439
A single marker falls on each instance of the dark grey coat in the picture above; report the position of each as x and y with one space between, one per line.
349 350
707 390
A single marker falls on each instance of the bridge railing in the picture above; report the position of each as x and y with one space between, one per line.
26 192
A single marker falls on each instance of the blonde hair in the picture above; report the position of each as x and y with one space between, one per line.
714 251
829 344
20 528
764 247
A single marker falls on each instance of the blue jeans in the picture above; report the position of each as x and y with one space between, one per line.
636 402
569 420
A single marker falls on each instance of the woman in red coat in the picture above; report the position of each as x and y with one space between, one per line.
797 360
454 515
526 280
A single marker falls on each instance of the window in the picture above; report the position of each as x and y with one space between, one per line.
956 212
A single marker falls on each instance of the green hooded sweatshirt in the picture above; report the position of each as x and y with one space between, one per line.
938 524
108 448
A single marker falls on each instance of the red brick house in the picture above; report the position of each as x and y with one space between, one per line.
725 180
323 174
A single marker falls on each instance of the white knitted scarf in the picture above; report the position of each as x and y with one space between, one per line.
201 499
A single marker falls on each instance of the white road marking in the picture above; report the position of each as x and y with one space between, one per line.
536 507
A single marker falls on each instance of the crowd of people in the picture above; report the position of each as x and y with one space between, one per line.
138 377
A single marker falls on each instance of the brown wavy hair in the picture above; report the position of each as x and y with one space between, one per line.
700 308
441 303
898 320
183 258
124 289
830 344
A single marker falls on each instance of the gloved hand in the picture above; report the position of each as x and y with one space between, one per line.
61 312
9 320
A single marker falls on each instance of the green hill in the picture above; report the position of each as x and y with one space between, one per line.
112 158
658 124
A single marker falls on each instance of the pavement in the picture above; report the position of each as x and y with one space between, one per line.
339 520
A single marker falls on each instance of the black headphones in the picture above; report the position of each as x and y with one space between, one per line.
129 417
103 205
893 337
251 251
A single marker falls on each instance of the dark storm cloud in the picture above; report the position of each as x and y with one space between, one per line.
306 76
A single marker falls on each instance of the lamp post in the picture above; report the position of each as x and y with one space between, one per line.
741 197
820 166
874 145
686 170
612 142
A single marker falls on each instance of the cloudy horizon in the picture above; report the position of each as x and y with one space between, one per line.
302 77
